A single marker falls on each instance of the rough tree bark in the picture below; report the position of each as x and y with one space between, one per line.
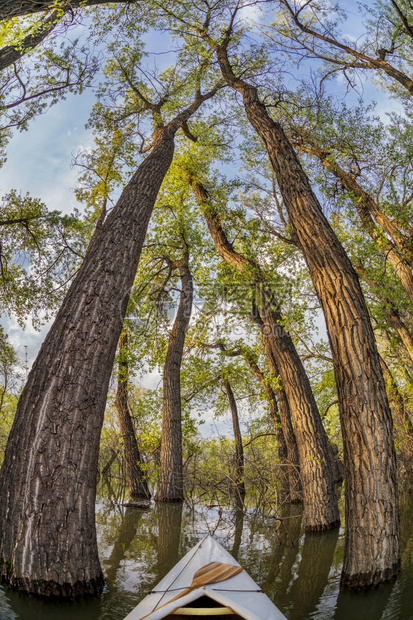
170 487
395 245
320 502
287 446
393 316
239 484
11 54
48 479
18 8
372 545
138 487
14 8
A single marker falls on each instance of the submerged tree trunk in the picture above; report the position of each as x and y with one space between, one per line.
170 488
239 484
320 502
372 545
48 479
138 487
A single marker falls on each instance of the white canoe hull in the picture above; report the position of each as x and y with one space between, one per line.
239 593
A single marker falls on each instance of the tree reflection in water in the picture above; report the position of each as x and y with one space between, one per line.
300 573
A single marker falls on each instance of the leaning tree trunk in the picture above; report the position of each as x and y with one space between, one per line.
372 544
294 475
239 484
170 487
138 487
320 501
287 446
48 479
12 53
394 245
17 8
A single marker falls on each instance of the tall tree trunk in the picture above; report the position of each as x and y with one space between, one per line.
170 487
397 249
138 486
48 478
393 316
17 8
297 494
372 545
12 53
239 486
287 445
320 502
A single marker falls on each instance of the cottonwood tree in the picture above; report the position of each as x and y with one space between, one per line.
138 487
372 202
174 257
47 538
372 166
170 487
20 37
372 552
298 403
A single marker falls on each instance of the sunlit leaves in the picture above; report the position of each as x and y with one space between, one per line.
39 253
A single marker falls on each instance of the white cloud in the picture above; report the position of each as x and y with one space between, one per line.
39 160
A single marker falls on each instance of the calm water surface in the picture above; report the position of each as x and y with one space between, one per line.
299 572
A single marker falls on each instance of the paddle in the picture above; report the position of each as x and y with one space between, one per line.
214 572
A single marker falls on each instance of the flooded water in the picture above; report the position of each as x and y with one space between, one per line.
299 572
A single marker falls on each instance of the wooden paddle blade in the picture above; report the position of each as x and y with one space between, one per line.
214 572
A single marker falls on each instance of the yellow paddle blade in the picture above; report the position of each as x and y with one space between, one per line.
214 572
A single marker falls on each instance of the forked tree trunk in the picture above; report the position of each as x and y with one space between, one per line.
372 545
320 501
239 484
48 479
170 487
138 487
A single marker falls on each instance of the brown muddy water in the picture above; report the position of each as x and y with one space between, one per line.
299 572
